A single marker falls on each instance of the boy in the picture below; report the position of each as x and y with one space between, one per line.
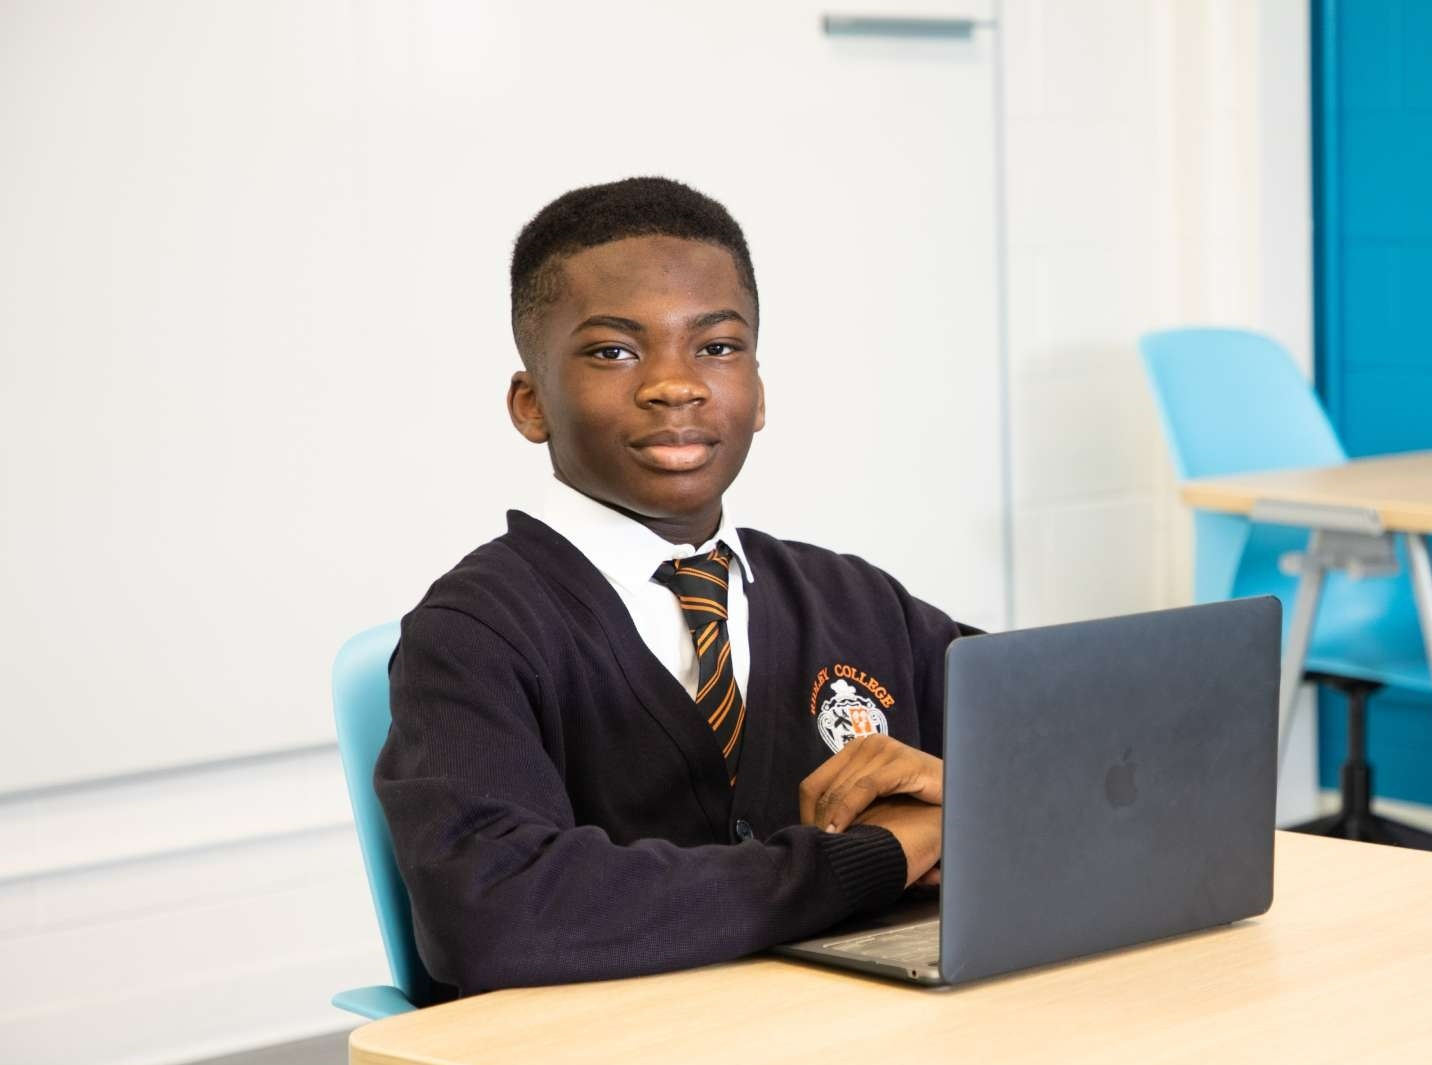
613 727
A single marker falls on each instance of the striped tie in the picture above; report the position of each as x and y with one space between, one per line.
700 587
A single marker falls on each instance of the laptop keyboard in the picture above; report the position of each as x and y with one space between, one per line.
912 944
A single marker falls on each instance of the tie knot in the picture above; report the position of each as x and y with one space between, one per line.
700 583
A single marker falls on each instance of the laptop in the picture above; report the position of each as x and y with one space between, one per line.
1106 783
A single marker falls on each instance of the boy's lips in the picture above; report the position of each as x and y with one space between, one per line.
674 450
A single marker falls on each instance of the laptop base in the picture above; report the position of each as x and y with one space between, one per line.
900 943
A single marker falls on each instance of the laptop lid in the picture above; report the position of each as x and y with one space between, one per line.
1107 783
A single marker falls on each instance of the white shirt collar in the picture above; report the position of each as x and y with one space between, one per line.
625 551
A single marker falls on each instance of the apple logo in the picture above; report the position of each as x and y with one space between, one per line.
1119 783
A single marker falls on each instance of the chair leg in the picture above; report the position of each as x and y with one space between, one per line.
1327 825
1355 820
1400 835
1356 774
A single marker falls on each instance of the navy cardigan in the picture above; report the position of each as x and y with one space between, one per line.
561 812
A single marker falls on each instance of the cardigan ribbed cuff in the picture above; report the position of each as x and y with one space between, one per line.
869 865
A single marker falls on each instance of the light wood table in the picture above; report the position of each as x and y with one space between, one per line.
1338 971
1354 511
1398 488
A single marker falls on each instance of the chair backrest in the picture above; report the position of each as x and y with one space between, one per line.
362 714
1232 401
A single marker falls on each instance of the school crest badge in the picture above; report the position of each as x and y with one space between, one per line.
847 715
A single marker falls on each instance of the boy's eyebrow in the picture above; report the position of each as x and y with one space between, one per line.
611 321
710 318
631 325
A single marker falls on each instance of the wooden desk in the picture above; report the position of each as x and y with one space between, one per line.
1356 508
1398 488
1339 970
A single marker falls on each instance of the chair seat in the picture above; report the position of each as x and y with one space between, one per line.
1369 629
1391 655
374 1002
1365 628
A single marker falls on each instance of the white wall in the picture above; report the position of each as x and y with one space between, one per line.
181 915
1158 176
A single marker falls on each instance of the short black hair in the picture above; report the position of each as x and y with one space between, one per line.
599 214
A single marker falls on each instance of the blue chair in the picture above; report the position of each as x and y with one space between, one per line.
1233 402
360 706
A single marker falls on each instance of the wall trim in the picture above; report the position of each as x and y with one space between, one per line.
158 773
62 829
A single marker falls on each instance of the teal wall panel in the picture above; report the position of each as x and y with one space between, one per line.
1387 170
1372 197
1385 411
1385 286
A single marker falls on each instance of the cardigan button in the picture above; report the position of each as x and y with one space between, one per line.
744 831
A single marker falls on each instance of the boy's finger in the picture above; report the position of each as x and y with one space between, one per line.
831 782
894 770
828 777
814 786
838 808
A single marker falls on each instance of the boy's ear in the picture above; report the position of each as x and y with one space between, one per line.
760 405
524 407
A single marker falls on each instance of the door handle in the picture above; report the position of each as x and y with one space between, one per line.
886 26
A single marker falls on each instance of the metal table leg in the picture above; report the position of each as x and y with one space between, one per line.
1295 651
1343 538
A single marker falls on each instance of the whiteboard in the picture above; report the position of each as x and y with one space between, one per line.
253 317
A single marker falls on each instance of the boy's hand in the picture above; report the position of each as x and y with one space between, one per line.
865 770
917 826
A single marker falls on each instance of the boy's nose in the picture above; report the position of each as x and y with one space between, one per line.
672 383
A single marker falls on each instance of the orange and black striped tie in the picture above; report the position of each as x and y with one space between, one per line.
700 586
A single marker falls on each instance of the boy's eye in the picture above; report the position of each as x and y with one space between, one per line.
718 348
612 353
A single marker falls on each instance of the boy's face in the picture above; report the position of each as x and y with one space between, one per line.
646 389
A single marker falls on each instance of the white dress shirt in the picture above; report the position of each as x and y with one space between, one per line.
627 554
